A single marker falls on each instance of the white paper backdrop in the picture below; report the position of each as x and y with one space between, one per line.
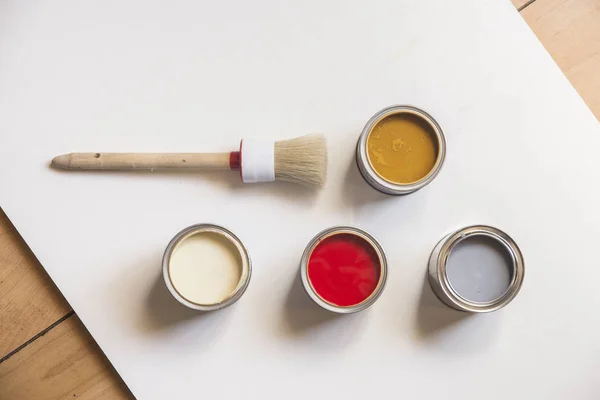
197 76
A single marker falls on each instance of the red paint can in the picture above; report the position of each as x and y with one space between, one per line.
344 269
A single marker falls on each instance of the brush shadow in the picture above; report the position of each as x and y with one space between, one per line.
440 326
223 179
305 322
288 191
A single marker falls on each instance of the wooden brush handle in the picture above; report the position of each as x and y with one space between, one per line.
144 161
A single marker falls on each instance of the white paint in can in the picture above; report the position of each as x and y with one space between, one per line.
206 267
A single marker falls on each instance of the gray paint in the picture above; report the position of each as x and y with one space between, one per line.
480 269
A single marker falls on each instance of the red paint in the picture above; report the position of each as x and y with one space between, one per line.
344 269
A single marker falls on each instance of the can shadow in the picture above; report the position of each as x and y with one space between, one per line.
358 192
440 326
162 310
433 315
161 313
305 321
301 313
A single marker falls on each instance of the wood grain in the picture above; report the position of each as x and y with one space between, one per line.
66 363
29 300
570 31
142 161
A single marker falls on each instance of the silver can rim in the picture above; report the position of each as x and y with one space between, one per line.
442 285
339 230
244 278
373 178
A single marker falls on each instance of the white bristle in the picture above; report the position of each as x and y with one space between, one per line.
302 160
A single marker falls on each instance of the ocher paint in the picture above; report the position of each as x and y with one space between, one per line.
402 148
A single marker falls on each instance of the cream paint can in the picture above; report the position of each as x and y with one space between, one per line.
206 267
476 269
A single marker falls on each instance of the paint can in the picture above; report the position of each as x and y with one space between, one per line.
206 267
367 157
501 286
325 274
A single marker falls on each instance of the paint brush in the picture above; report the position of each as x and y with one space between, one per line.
301 160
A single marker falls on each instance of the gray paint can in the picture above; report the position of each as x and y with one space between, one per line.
484 271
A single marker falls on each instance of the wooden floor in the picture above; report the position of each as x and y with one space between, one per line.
46 353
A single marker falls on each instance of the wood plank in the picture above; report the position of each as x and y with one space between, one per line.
570 31
29 300
65 363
